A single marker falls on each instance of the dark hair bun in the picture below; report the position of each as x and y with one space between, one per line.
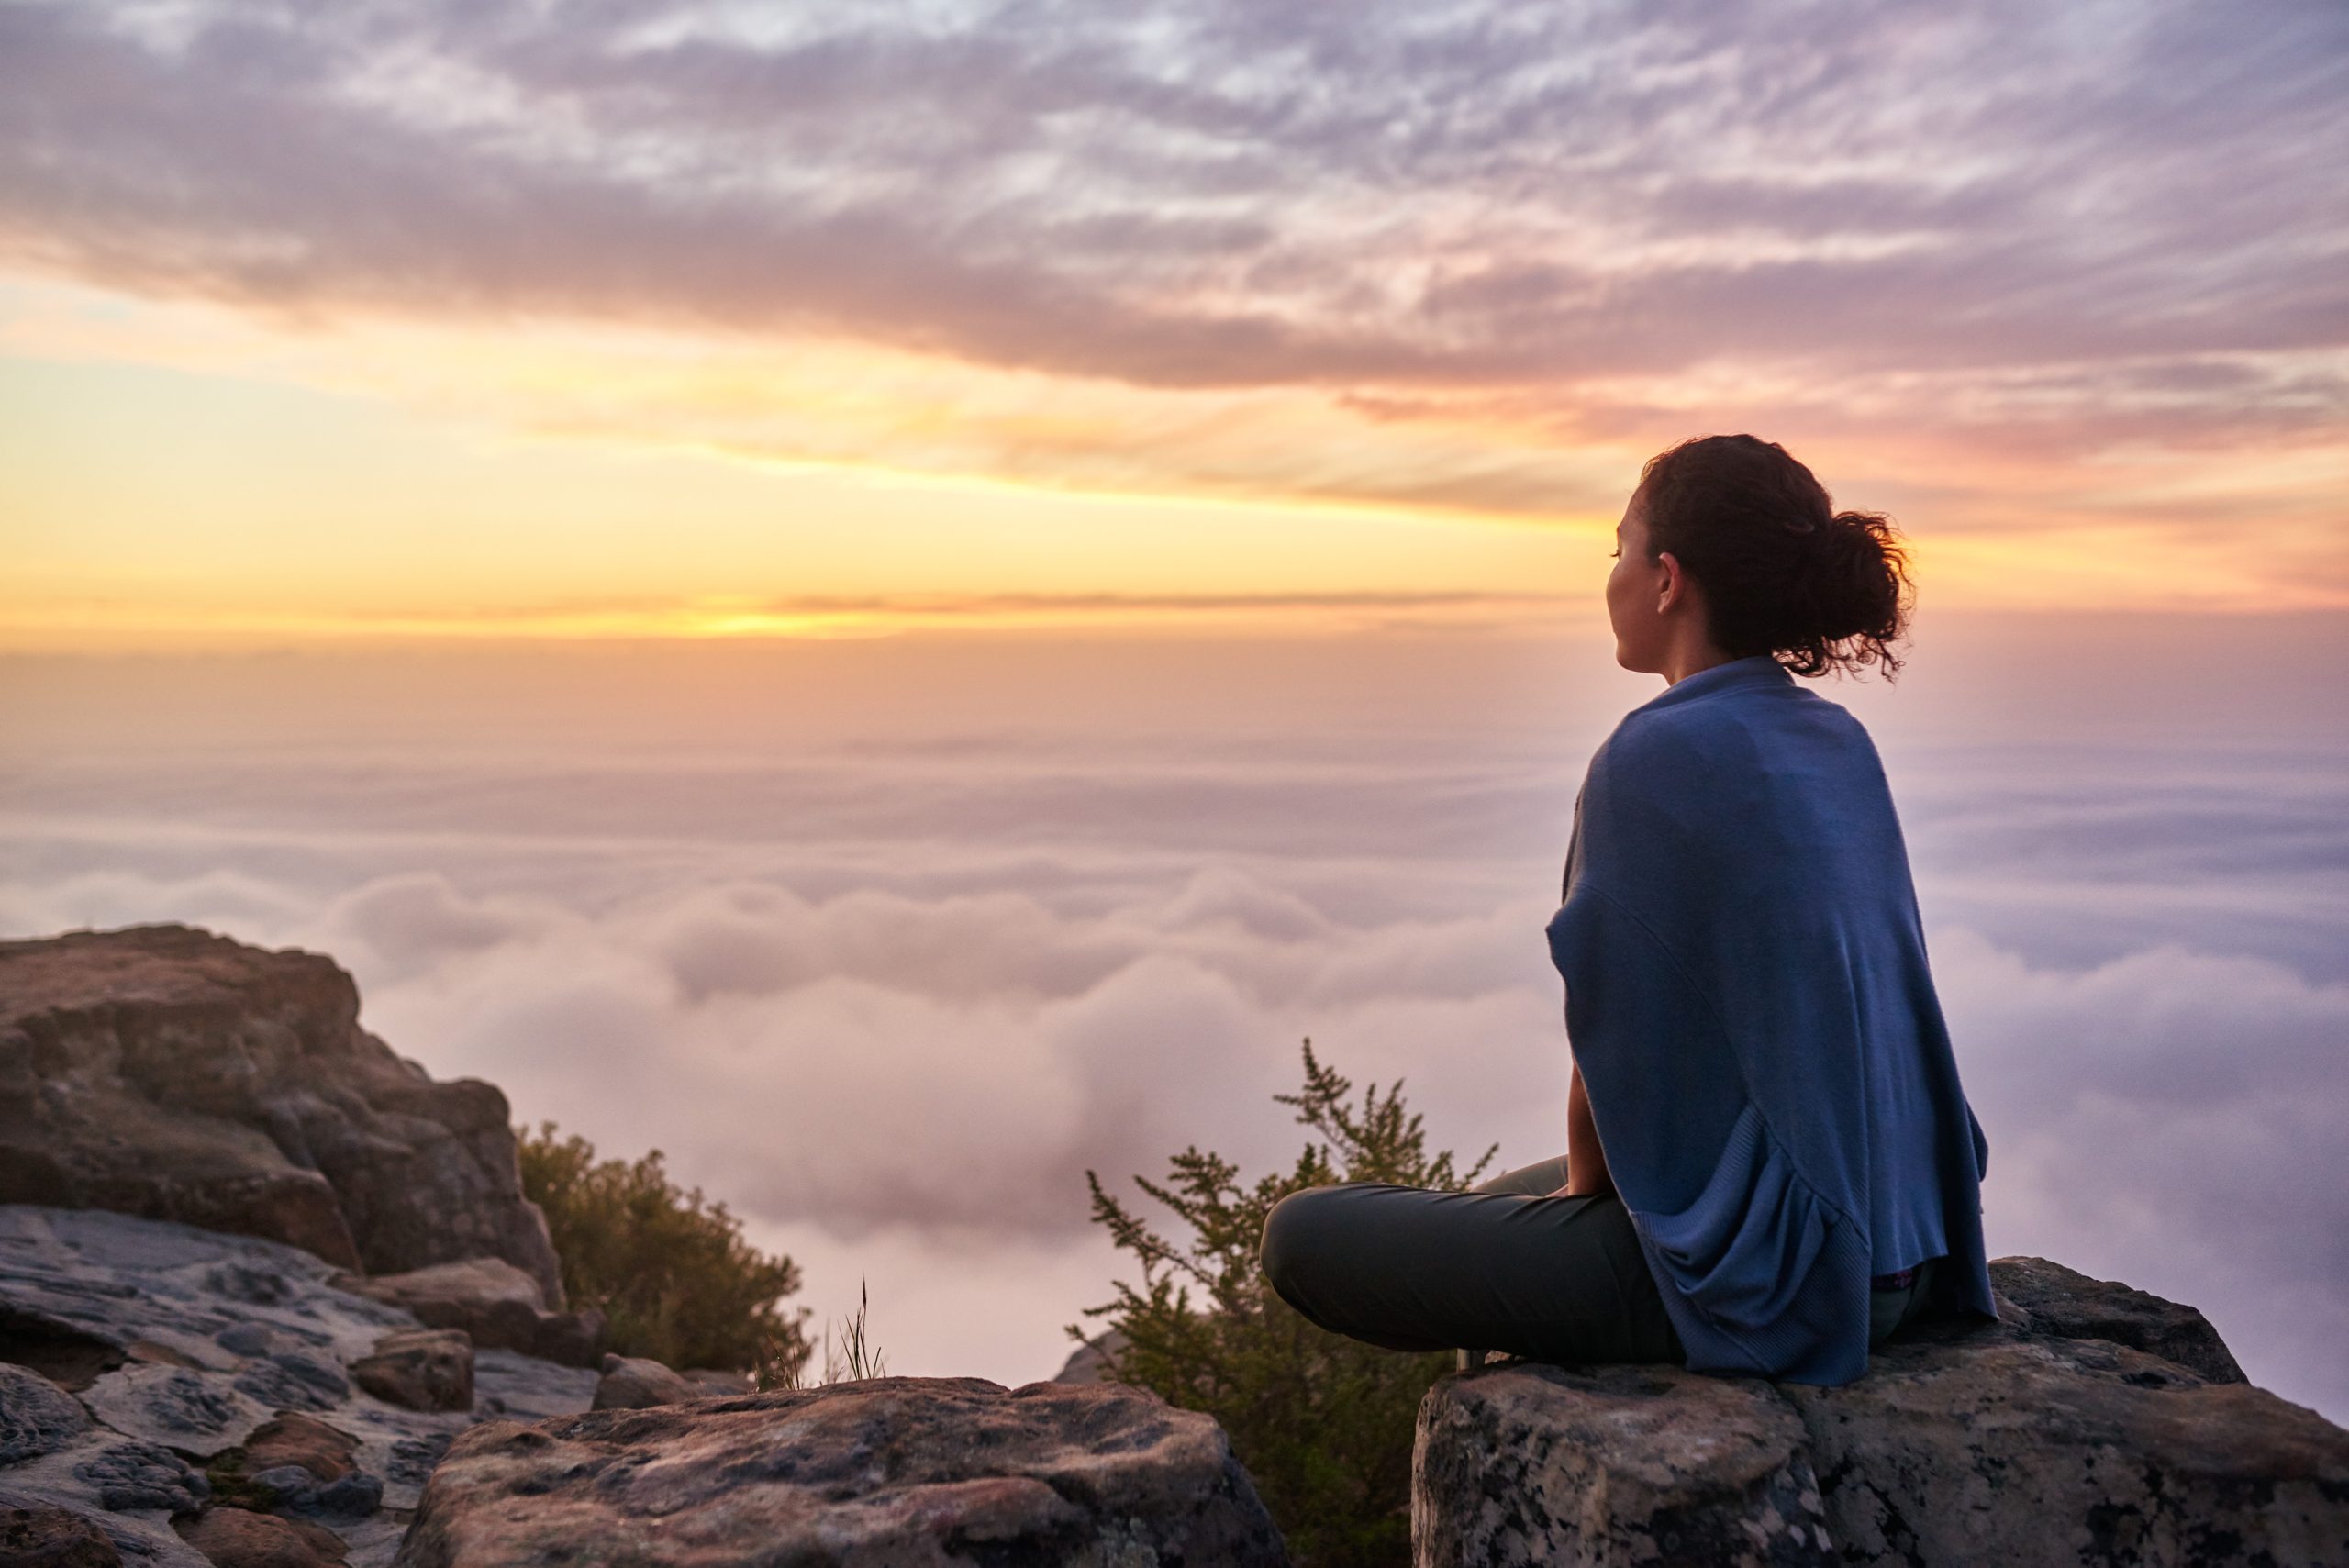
1784 573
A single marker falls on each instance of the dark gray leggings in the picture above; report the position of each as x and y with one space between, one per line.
1503 1267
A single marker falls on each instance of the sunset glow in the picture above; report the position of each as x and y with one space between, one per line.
426 347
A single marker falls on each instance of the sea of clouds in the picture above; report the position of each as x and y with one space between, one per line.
887 944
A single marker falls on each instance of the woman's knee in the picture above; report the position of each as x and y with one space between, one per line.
1293 1231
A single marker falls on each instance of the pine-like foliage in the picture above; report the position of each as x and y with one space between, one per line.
670 1271
1323 1423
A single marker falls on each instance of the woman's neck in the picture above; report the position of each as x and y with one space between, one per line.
1679 664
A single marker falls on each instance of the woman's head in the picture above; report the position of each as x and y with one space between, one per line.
1731 542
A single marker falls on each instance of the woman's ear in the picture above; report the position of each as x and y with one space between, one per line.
1676 583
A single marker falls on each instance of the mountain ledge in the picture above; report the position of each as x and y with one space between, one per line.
2092 1424
166 1072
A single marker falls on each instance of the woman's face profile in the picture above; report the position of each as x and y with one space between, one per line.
1632 590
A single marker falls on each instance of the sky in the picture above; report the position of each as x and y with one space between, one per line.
898 599
630 317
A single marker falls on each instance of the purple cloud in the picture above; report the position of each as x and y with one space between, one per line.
1464 198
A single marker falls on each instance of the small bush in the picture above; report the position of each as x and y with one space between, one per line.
670 1271
1323 1423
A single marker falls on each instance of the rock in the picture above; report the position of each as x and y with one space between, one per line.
237 1538
285 1486
170 1073
2118 1457
569 1339
267 1334
53 1538
715 1382
69 1357
498 1304
293 1380
2025 1442
898 1471
125 1476
1090 1361
1544 1464
633 1382
195 1412
125 1488
420 1369
323 1452
2061 1304
355 1497
413 1458
36 1416
264 1324
297 1462
83 1292
489 1298
529 1389
243 1340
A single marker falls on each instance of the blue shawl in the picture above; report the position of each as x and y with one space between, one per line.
1748 1000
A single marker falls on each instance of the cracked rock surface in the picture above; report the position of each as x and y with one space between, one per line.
2094 1424
895 1470
153 1377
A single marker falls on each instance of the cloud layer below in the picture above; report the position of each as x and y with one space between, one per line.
888 952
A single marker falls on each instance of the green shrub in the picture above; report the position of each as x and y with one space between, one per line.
670 1271
1323 1423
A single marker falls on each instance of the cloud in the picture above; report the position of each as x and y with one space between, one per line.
889 1067
2173 1119
878 1060
1463 200
890 979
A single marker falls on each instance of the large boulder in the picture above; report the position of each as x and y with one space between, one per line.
1089 1362
2054 1302
420 1369
499 1306
638 1383
896 1471
170 1073
2039 1440
1613 1464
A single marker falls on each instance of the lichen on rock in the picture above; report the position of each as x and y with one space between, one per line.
893 1470
2053 1437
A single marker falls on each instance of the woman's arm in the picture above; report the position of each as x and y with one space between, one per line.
1585 1160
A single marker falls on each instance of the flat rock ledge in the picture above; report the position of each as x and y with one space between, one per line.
895 1470
2097 1425
198 1398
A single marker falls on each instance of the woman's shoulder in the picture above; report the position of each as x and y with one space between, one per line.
1734 723
1739 769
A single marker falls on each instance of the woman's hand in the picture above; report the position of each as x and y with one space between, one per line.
1585 1159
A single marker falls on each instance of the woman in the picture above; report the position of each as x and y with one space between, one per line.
1770 1164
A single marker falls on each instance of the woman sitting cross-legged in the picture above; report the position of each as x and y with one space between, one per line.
1770 1163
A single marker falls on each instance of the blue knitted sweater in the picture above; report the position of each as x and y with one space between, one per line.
1748 998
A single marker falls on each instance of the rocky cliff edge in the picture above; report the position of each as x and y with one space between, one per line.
170 1073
